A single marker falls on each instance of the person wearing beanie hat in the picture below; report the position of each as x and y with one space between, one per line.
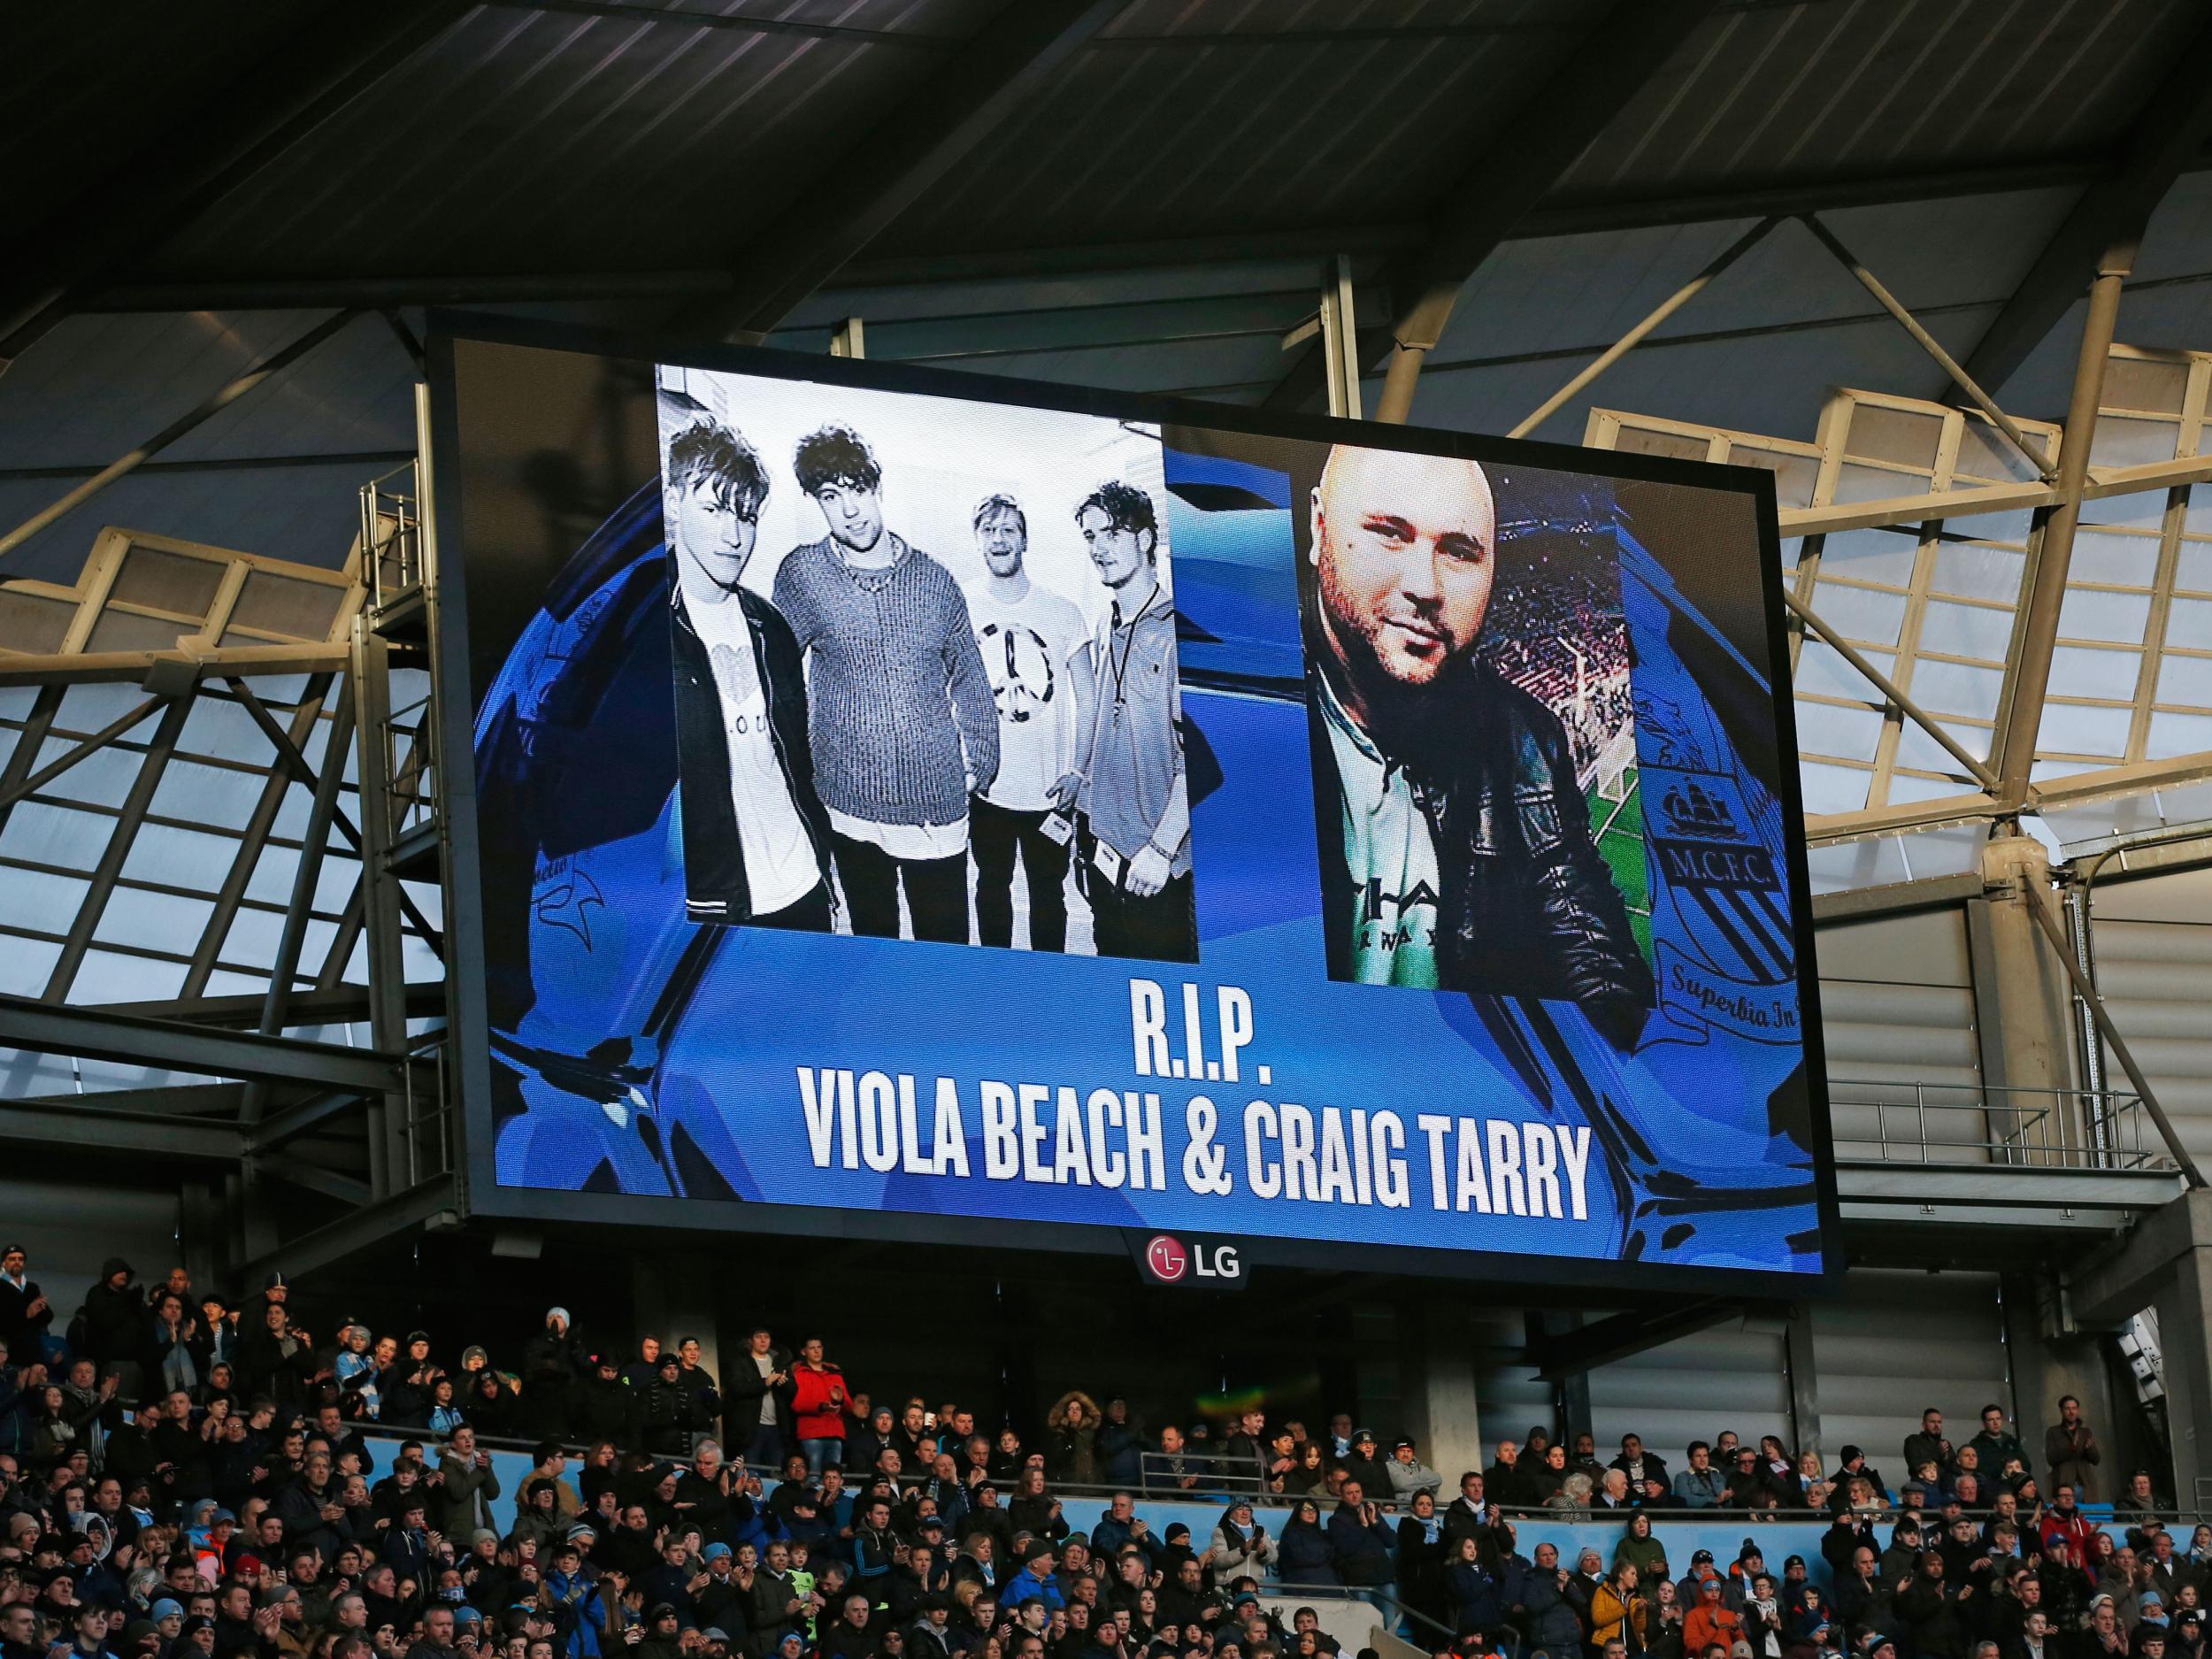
1363 1463
1408 1474
253 1311
1705 1565
1035 1580
1749 1562
1710 1620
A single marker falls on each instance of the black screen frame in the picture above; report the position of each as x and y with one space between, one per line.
481 1193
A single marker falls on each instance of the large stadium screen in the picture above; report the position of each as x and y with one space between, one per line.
918 806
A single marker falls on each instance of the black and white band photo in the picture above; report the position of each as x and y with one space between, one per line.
925 670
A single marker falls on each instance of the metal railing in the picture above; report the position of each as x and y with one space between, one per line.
1970 1123
1163 1474
391 535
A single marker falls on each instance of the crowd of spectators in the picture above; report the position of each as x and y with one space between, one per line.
185 1478
1556 630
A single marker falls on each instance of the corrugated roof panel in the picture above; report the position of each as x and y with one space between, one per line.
1764 93
1182 139
87 86
1202 18
527 139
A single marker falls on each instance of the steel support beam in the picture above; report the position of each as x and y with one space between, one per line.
379 899
213 404
304 1118
32 739
1896 898
333 58
1797 1355
315 842
90 1034
290 760
329 1183
74 1123
361 460
2045 466
2164 142
136 802
368 1224
1552 124
12 792
1339 327
201 1102
911 147
339 1007
1880 681
1635 337
253 839
2029 675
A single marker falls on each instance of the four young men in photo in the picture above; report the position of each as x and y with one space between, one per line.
876 721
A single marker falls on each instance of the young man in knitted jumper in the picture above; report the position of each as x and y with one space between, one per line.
901 719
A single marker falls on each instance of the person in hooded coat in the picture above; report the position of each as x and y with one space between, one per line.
490 1406
112 1325
602 1407
1072 1439
1640 1550
1304 1554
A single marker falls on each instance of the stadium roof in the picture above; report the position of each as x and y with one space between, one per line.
1124 193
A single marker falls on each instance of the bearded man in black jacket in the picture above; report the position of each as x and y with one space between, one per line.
1455 839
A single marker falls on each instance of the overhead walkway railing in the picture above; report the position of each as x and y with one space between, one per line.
1975 1153
1979 1124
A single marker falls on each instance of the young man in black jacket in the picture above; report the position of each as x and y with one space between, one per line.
755 838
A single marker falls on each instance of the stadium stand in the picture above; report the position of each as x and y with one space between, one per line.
181 1474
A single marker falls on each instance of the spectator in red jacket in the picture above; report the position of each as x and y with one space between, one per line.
2063 1519
817 1408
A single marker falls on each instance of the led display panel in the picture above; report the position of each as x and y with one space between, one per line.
921 806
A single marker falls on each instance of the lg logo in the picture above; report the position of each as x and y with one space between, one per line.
1172 1261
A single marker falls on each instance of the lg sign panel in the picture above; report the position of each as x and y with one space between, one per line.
922 801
